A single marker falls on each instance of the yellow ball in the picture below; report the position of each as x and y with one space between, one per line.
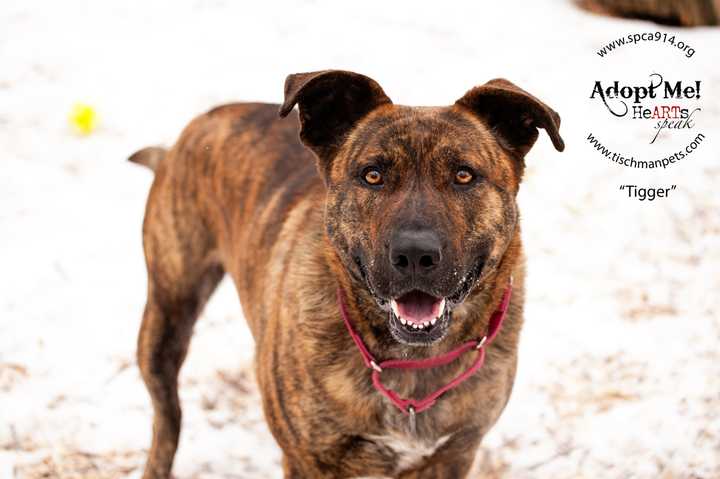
83 118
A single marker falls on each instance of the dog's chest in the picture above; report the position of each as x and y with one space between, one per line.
410 451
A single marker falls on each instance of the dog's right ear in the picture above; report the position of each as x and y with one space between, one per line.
330 102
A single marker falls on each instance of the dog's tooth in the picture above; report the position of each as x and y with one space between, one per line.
441 309
433 321
394 306
426 324
415 326
402 321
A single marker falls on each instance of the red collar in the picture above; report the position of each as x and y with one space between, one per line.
412 406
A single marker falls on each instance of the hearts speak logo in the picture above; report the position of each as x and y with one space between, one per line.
671 115
645 116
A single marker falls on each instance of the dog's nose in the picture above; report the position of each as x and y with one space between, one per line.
415 251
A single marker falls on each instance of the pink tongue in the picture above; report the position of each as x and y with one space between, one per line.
418 307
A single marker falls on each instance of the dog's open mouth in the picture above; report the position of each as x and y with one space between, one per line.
418 318
417 310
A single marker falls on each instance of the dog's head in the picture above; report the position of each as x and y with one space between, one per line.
420 201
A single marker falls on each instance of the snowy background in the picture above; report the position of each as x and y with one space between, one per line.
619 373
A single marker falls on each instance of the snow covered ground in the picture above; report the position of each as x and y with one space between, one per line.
619 370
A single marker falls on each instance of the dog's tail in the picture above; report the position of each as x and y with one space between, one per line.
150 156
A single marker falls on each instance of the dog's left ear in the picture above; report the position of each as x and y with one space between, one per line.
331 102
513 115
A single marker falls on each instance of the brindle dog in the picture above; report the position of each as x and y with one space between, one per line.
409 211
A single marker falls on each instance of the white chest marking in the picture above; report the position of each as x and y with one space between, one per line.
410 451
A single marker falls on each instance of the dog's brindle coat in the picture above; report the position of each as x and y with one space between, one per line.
239 193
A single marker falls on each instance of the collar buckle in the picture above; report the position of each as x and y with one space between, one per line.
412 420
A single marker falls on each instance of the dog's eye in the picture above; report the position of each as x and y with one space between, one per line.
463 176
372 176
